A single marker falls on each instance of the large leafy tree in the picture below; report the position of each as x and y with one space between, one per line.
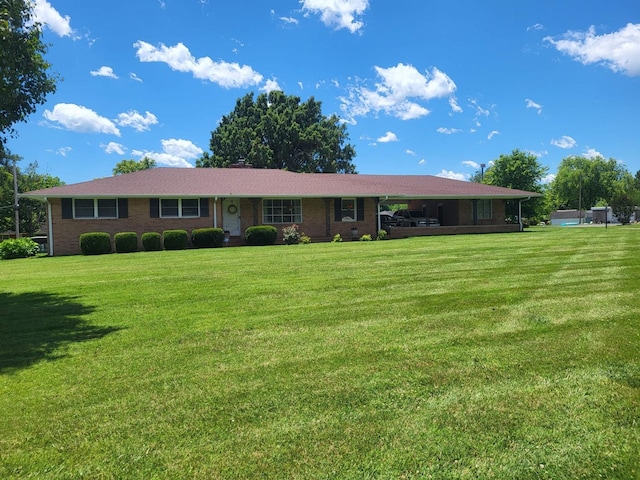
625 198
24 77
278 131
582 182
128 166
522 171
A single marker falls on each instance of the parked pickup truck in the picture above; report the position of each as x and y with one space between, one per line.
416 218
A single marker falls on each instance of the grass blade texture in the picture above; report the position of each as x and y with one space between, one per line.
481 356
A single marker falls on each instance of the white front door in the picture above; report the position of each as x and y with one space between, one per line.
231 216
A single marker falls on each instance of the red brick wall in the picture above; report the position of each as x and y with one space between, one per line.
66 232
314 219
315 212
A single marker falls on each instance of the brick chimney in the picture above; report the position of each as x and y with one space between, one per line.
241 164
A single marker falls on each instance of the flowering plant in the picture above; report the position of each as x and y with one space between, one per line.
290 234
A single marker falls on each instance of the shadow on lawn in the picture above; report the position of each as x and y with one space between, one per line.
34 326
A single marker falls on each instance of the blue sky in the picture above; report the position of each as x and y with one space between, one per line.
426 87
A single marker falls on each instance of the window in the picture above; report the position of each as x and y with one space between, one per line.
279 210
484 210
179 207
107 208
348 209
95 208
190 207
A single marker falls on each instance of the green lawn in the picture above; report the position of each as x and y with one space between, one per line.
507 356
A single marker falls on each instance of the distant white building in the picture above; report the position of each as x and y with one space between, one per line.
566 218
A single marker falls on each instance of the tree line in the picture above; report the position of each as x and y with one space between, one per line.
579 183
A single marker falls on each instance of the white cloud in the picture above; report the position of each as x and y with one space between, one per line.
175 153
592 153
410 152
538 154
270 85
479 111
104 71
536 26
492 134
619 51
337 13
289 20
135 77
531 104
45 14
548 178
179 58
396 93
78 118
113 147
388 137
422 162
455 108
448 131
472 164
63 151
301 85
136 121
564 142
453 175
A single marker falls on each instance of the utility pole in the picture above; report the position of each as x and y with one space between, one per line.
16 205
580 201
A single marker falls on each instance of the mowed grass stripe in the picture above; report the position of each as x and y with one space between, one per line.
494 356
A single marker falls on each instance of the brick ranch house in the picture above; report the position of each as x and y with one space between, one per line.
233 199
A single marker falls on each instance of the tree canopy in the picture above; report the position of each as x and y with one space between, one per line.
23 68
522 171
128 166
278 131
582 182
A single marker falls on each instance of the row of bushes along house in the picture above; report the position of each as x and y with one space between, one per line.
97 243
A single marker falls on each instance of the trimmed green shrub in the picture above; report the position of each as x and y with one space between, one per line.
151 241
95 243
382 234
365 238
175 239
207 237
337 238
261 235
18 248
126 242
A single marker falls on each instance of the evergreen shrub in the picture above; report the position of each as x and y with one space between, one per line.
126 242
207 237
95 243
261 235
18 248
175 239
151 241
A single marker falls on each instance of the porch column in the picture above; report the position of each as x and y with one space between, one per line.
327 216
255 202
474 210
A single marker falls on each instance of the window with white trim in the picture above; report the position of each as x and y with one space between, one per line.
95 208
179 207
281 210
348 212
485 211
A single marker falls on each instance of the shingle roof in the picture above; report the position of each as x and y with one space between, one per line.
247 182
